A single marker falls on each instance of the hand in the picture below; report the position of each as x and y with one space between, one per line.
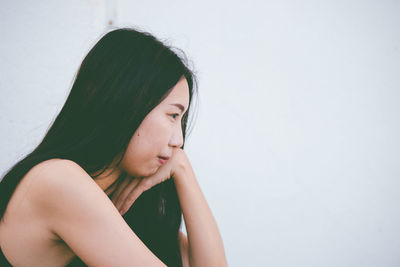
130 188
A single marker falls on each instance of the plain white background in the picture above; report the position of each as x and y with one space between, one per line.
295 143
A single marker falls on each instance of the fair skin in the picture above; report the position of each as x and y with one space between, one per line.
158 135
91 226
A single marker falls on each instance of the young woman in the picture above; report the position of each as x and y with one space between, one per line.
109 182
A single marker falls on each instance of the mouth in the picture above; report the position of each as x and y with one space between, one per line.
162 160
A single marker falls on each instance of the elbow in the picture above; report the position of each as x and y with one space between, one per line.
214 263
221 263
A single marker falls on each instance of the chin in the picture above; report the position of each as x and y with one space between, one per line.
153 171
142 169
146 173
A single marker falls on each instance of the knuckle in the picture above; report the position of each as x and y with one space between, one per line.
126 206
128 203
147 184
131 199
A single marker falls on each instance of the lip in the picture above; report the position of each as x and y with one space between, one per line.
162 159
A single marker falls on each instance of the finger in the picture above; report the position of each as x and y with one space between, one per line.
120 188
115 184
144 185
119 201
110 189
134 194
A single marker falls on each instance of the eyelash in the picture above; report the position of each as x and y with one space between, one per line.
172 115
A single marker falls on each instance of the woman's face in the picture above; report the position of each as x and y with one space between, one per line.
158 134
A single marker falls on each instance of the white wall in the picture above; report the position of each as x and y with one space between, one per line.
295 144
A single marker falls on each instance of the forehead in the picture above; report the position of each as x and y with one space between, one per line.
179 94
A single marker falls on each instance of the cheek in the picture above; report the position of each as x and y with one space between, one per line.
136 155
147 143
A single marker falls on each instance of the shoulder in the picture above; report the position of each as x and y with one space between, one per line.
55 181
53 168
43 188
59 190
54 173
79 212
44 181
75 209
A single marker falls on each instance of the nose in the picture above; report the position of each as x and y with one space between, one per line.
176 139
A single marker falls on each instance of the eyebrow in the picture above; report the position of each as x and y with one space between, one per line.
182 108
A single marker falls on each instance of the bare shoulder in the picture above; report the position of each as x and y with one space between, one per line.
60 187
51 170
60 190
75 209
55 181
46 178
25 229
78 211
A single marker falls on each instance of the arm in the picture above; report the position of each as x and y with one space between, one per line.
81 214
204 240
183 243
204 243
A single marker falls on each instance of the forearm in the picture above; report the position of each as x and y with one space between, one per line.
205 242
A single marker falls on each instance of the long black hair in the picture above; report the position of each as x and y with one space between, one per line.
123 77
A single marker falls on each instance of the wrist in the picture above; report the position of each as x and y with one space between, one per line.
182 167
182 171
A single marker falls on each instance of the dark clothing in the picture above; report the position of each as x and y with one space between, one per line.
76 262
3 260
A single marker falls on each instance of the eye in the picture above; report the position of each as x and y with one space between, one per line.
175 115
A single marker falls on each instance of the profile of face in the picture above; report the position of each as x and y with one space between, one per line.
158 134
